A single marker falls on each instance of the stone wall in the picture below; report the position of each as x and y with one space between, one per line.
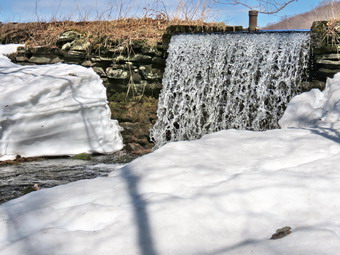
131 71
325 50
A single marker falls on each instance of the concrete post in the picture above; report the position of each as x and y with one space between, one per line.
253 20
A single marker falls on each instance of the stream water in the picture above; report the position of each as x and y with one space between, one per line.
17 180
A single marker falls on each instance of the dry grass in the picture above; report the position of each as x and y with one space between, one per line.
46 33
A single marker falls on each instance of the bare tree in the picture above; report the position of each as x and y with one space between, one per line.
262 6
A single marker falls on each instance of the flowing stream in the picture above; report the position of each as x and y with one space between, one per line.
18 180
220 81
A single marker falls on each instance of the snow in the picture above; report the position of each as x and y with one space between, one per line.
315 108
53 110
226 193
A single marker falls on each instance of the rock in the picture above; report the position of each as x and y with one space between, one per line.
121 59
329 71
334 56
56 60
66 46
117 74
82 156
87 63
29 189
43 51
80 45
75 53
281 232
158 62
149 73
68 36
107 59
117 50
74 57
137 45
136 77
100 71
141 59
328 62
151 51
21 58
21 50
39 60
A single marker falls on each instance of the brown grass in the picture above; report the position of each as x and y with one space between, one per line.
46 33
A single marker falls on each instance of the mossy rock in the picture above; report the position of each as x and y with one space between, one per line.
68 36
82 156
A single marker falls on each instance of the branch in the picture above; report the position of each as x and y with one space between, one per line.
278 8
262 7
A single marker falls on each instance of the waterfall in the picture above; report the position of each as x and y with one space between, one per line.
221 81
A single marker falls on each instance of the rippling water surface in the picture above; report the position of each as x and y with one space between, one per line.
17 180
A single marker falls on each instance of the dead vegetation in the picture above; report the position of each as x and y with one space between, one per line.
46 33
116 20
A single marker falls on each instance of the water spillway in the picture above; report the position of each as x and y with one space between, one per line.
221 81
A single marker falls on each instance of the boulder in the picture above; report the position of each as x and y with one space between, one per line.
68 36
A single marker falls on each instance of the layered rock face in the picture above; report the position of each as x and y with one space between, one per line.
326 49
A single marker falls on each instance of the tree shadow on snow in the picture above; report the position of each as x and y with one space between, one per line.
144 234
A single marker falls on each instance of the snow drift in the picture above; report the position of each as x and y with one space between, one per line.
53 110
226 193
315 108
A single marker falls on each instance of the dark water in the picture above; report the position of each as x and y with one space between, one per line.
18 180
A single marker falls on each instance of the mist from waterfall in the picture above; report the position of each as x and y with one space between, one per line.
222 81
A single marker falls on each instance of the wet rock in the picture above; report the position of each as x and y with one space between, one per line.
149 73
158 62
281 232
82 156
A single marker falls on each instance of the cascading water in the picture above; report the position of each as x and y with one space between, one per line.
220 81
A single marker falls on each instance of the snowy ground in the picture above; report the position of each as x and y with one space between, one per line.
53 110
226 193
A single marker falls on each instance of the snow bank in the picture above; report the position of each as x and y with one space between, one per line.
226 193
53 110
315 108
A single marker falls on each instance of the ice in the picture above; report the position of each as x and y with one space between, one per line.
53 110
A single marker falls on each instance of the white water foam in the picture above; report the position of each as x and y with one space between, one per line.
220 81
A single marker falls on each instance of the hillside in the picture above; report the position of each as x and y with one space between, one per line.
305 20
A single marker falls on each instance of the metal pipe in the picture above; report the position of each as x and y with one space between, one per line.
253 20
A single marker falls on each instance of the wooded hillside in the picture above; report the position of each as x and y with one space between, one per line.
325 11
